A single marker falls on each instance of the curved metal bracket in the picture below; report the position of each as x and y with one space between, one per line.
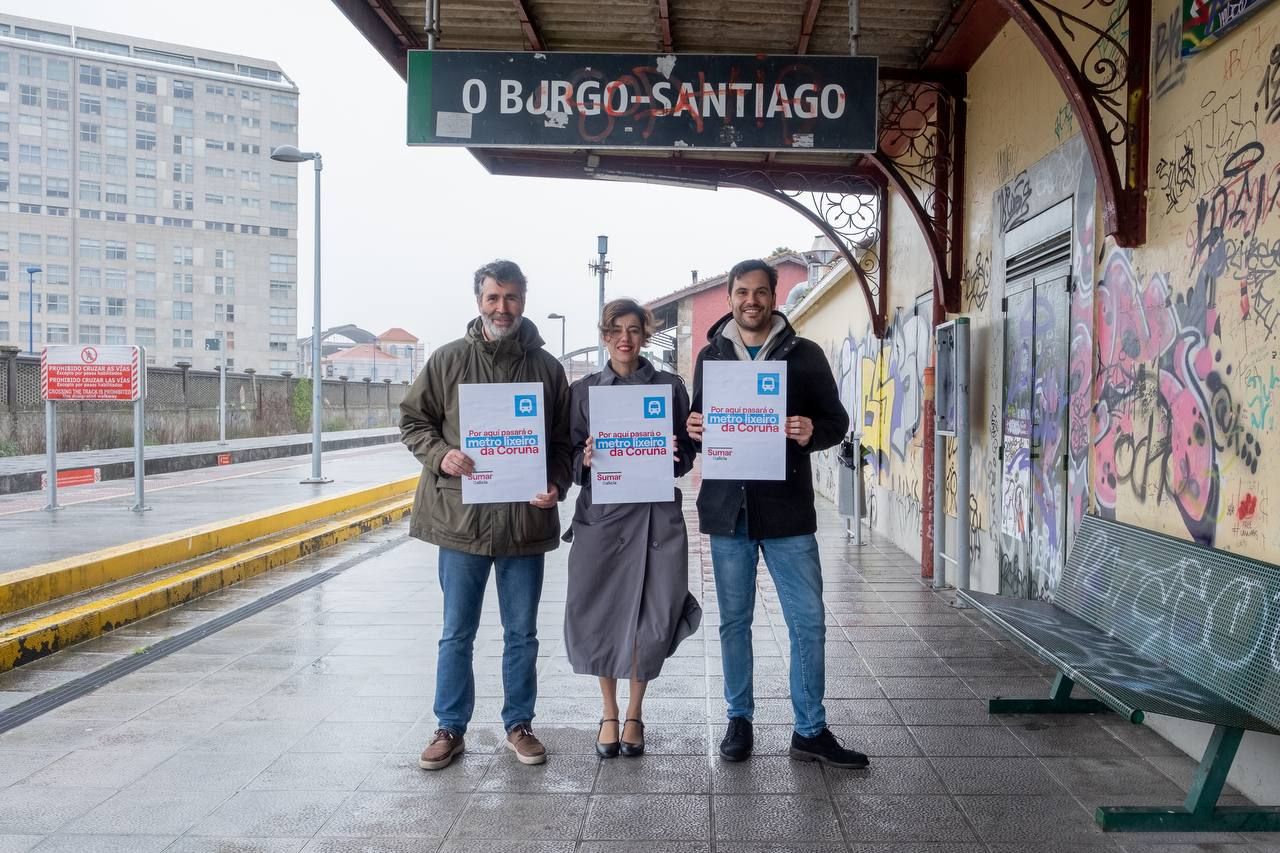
1102 68
849 211
921 155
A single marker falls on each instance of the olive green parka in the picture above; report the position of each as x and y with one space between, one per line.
429 428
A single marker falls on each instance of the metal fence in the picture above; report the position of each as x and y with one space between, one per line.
182 406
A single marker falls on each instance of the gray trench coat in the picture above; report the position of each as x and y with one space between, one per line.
628 604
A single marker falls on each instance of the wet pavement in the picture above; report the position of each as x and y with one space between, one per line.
98 515
298 728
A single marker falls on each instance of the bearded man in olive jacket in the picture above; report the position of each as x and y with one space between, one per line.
499 346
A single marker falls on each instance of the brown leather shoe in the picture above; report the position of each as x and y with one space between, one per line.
440 752
526 746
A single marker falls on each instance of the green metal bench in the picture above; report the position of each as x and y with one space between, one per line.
1151 624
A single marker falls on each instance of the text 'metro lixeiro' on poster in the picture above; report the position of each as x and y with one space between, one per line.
744 406
484 99
503 430
631 462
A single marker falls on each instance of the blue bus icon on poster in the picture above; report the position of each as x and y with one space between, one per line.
767 383
655 407
526 406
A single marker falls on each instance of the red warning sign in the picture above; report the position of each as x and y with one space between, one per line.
90 373
224 458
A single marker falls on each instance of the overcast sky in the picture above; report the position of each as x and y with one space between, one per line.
404 228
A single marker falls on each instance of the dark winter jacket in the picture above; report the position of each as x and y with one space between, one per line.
775 508
429 427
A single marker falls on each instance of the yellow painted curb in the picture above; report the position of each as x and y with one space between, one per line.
24 643
47 582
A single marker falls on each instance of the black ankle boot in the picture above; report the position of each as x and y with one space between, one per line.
738 740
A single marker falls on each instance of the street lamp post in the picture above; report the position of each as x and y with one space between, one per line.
561 318
31 308
291 154
601 268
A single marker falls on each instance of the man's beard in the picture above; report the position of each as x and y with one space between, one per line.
495 332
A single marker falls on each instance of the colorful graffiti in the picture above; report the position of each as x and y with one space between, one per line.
1166 415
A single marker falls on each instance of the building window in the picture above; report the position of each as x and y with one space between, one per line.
284 127
246 148
26 303
90 162
248 96
144 281
90 305
144 112
56 211
90 249
282 291
224 313
145 196
28 95
4 330
90 191
250 229
143 219
117 165
57 303
29 154
30 185
182 339
182 311
118 108
184 90
145 252
88 213
144 140
90 277
90 334
57 99
59 333
184 118
117 194
90 75
224 259
279 343
144 336
184 173
144 168
90 105
28 332
145 84
280 316
250 203
58 188
144 309
30 66
183 283
290 101
224 285
287 264
59 129
183 256
117 79
212 198
33 209
30 244
116 280
278 232
59 158
90 132
57 246
183 201
184 145
116 335
117 216
117 306
57 274
117 137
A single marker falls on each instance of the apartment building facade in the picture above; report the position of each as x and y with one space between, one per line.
136 177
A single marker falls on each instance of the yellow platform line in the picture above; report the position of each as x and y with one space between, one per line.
22 644
36 585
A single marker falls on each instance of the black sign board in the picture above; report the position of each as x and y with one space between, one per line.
483 99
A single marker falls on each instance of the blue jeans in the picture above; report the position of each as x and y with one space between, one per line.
463 578
797 575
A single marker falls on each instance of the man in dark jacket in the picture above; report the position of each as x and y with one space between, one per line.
499 346
778 517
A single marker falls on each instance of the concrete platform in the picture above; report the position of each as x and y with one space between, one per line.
298 728
98 516
23 473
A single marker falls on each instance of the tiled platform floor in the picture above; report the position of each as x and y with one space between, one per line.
299 729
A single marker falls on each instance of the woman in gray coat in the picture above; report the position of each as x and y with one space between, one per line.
628 603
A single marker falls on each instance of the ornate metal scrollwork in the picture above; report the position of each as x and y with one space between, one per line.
921 153
1099 51
848 209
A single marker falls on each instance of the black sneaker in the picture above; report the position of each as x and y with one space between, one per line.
825 747
738 740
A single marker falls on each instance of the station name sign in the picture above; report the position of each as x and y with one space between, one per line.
484 99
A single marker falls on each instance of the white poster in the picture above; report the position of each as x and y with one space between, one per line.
503 431
632 459
744 408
